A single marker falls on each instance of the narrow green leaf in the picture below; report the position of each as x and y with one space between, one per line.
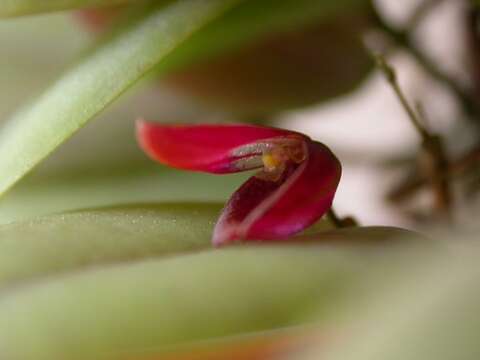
90 86
148 306
10 8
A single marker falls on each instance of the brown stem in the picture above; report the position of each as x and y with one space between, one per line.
391 77
456 168
334 219
432 157
340 222
473 41
433 162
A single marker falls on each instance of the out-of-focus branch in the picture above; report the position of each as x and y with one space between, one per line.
457 168
434 170
403 39
432 157
473 41
391 77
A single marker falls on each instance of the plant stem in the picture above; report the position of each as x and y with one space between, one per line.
391 77
432 158
340 222
402 39
333 217
456 168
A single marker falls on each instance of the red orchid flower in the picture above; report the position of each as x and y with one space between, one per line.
293 189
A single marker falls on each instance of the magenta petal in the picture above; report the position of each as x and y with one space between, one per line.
209 148
266 210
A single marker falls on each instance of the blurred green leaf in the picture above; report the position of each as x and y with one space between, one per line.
34 49
429 311
84 91
155 304
10 8
250 21
257 345
363 235
273 56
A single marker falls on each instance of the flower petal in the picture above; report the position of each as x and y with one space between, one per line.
264 210
210 148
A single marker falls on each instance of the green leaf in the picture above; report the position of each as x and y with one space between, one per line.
151 305
429 310
40 46
9 8
74 286
90 86
59 243
62 242
363 235
57 192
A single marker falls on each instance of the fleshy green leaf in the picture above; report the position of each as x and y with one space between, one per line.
151 305
59 243
56 192
72 288
430 310
10 8
80 265
84 91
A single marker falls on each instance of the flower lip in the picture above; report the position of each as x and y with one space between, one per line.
294 188
275 210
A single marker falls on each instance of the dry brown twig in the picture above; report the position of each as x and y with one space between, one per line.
436 171
432 160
